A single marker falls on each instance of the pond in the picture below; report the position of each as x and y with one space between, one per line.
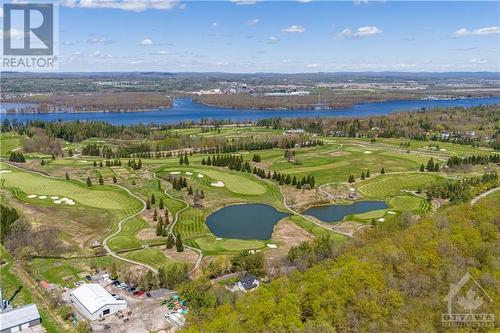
247 221
335 213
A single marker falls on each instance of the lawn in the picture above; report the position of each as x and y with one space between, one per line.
409 203
151 256
127 239
210 245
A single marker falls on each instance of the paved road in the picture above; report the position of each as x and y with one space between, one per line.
176 219
120 223
476 199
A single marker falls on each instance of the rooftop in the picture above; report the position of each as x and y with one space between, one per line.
93 297
18 316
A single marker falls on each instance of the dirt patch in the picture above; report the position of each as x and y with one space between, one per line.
188 256
350 227
302 199
286 234
146 234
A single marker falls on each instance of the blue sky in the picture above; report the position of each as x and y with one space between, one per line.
278 36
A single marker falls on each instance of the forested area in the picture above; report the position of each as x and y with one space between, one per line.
393 279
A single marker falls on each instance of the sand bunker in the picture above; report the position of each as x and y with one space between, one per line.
189 173
381 219
200 175
42 197
272 246
54 197
367 152
217 184
64 200
32 196
175 172
392 213
82 161
5 171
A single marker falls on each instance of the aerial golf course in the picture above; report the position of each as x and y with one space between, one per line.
331 164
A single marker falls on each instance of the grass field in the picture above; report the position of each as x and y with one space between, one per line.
151 256
8 142
97 196
409 203
391 185
213 246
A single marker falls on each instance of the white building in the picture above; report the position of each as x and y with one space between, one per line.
18 319
94 302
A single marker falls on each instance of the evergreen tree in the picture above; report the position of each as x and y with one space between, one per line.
67 176
153 199
42 163
367 173
114 179
363 175
170 241
101 181
382 171
178 243
430 165
89 182
436 167
148 204
159 227
422 168
95 163
351 179
160 205
190 190
155 215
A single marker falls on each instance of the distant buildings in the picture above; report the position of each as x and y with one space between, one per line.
94 302
294 131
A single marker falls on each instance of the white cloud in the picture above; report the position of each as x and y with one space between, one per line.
99 54
478 61
294 29
244 2
360 32
99 40
312 65
272 39
477 32
161 52
215 24
146 42
130 5
252 22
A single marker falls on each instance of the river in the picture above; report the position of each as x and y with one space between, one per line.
184 109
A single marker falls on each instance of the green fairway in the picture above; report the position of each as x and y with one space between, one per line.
210 245
409 203
334 163
127 238
98 196
390 185
9 142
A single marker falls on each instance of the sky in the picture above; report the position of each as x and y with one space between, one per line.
245 36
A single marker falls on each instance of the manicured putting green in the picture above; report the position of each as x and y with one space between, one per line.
98 196
389 185
212 245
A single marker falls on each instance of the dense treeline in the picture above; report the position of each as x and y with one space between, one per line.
8 216
393 279
473 160
463 189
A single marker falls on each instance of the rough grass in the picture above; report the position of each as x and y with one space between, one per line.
127 238
390 185
152 257
211 246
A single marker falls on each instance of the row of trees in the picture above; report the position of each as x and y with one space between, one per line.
17 156
473 160
463 189
431 166
364 175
